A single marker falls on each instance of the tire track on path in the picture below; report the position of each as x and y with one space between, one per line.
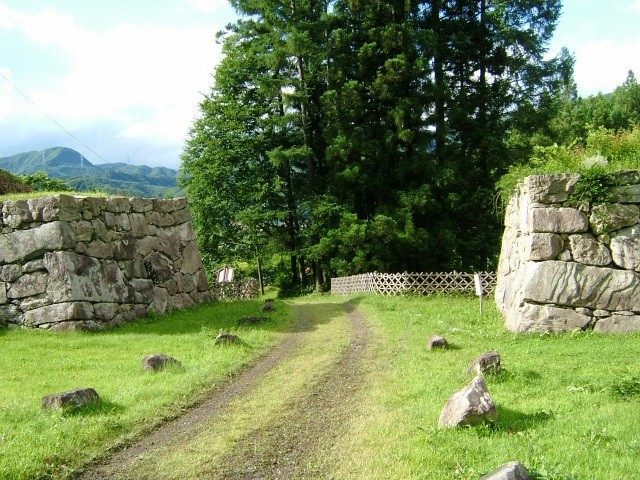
287 447
115 465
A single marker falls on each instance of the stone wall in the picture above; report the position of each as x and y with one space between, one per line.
569 265
72 262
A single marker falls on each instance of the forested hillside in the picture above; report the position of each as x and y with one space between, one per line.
80 174
350 136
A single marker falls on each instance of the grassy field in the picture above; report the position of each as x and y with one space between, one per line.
34 195
35 443
568 405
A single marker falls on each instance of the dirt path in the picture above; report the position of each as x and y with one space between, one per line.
283 449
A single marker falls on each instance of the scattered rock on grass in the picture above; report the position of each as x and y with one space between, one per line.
71 399
487 363
269 307
159 361
508 471
226 337
470 406
252 320
438 342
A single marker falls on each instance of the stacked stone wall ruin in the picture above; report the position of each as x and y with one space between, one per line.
75 262
567 264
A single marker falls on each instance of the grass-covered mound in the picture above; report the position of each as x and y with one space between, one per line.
11 184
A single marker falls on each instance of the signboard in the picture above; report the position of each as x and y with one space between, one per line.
478 281
225 275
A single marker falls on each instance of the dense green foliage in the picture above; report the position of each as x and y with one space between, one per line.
79 174
41 182
593 136
579 117
351 136
603 151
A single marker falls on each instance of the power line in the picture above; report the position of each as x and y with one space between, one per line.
65 130
54 120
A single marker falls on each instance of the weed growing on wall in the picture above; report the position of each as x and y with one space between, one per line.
594 186
605 151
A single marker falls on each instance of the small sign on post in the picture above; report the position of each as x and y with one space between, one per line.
224 275
479 292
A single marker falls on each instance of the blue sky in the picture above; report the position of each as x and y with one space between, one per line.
125 76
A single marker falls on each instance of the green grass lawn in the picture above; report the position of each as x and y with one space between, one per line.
35 443
568 405
42 194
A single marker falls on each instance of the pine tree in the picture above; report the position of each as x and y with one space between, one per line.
357 135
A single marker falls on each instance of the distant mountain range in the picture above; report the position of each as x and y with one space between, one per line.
80 174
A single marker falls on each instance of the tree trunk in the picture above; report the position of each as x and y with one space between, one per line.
438 71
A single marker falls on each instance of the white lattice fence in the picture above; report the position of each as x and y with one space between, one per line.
413 283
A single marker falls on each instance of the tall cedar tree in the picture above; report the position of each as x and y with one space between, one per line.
358 135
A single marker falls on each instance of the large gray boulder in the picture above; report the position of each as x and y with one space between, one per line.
608 217
9 314
556 220
533 318
578 285
625 194
49 315
159 361
554 188
618 323
625 248
472 405
586 249
74 277
27 244
28 285
543 246
70 399
508 471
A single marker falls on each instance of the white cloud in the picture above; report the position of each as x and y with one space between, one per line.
207 6
144 79
46 27
603 65
7 100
